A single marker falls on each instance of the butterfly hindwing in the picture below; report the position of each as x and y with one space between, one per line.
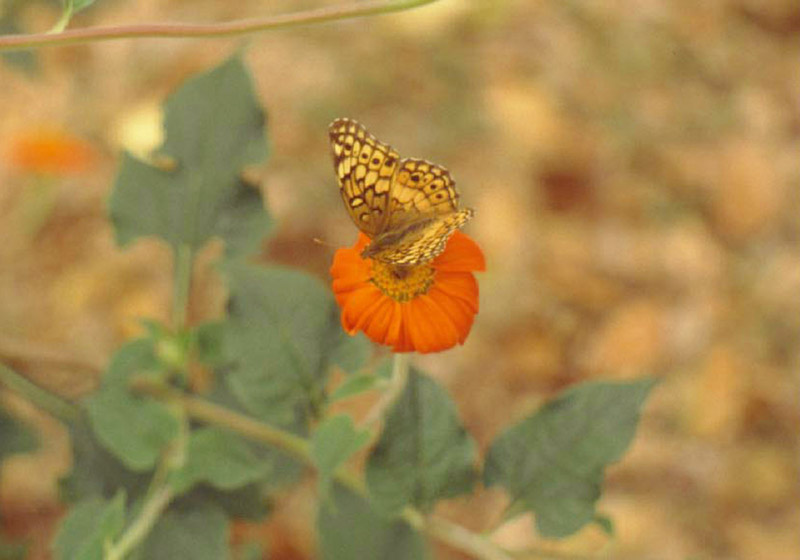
418 242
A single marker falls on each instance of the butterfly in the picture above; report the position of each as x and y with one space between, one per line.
407 207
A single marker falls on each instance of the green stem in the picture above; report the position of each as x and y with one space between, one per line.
184 259
214 30
211 413
40 397
477 545
63 21
160 494
152 509
394 389
454 535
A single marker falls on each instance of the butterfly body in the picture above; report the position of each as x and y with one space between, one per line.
407 207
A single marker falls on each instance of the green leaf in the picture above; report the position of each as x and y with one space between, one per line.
284 469
15 437
95 471
349 528
249 502
553 462
209 343
605 523
355 385
89 525
197 532
221 459
245 223
334 441
424 453
134 429
280 330
26 61
214 127
351 352
98 473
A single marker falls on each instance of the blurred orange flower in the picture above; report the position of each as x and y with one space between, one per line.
425 308
50 151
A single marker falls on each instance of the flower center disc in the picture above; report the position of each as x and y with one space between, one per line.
402 283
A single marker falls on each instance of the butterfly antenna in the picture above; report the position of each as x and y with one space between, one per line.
319 241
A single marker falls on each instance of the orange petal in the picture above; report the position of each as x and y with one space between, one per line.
348 262
376 326
395 325
437 326
459 312
459 285
361 242
416 328
461 254
404 338
413 329
367 314
422 330
345 284
355 304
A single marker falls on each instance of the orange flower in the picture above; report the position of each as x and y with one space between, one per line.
50 151
426 308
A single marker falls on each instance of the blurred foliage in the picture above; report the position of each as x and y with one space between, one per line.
634 171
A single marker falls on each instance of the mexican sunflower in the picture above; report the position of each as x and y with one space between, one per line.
424 308
50 151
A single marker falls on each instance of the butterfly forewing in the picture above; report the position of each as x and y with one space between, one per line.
365 168
408 207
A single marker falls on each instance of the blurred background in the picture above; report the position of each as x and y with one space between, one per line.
634 167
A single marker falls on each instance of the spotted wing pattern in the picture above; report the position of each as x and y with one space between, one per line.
420 189
408 207
419 242
365 168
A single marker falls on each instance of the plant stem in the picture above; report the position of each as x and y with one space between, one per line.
152 509
42 398
445 531
63 21
394 389
213 30
184 259
476 545
212 413
160 494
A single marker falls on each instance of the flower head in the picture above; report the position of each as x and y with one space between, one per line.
50 151
424 308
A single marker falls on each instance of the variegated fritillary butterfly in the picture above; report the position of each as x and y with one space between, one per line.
408 207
